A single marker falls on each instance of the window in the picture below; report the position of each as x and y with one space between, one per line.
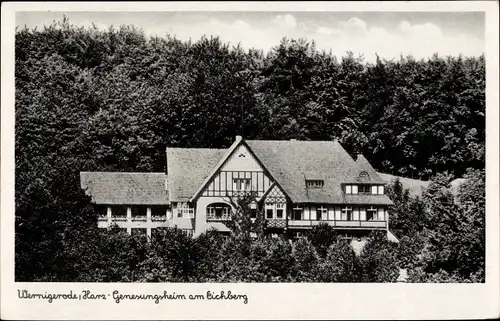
315 183
101 209
119 210
351 189
297 214
378 189
253 213
139 211
188 233
219 211
158 210
381 216
364 175
269 210
364 189
371 214
185 211
241 184
279 210
346 213
275 211
321 213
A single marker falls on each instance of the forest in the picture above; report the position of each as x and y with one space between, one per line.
94 100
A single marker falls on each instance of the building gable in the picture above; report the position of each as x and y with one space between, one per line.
240 173
274 195
241 160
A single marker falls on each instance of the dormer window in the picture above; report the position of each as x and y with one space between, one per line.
378 190
351 189
315 183
364 189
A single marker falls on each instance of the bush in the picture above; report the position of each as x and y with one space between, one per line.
169 258
306 260
379 259
322 236
340 264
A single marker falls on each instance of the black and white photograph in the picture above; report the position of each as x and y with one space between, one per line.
242 146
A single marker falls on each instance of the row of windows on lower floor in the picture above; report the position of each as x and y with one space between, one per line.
222 211
135 210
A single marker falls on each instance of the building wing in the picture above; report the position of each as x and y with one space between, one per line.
125 188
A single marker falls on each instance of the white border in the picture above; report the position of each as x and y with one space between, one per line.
266 301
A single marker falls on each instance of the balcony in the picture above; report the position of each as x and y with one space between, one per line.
139 218
159 218
118 219
339 223
223 217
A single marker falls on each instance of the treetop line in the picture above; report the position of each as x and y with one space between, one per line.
113 101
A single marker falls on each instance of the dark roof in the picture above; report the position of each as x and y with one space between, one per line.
291 162
125 188
187 168
362 166
226 153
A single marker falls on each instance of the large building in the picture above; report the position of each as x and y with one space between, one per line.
297 184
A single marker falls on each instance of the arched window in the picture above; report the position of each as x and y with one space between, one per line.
364 175
219 212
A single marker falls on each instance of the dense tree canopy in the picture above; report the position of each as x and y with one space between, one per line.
89 100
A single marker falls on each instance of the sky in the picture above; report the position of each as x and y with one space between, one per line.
386 34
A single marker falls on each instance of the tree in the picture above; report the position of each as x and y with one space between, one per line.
378 259
408 215
169 258
306 260
321 237
340 264
246 221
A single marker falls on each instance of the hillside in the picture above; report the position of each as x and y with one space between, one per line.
417 186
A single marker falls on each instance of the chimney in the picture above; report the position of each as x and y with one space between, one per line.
359 156
238 138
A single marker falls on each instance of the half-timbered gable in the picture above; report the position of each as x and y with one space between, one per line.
239 175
